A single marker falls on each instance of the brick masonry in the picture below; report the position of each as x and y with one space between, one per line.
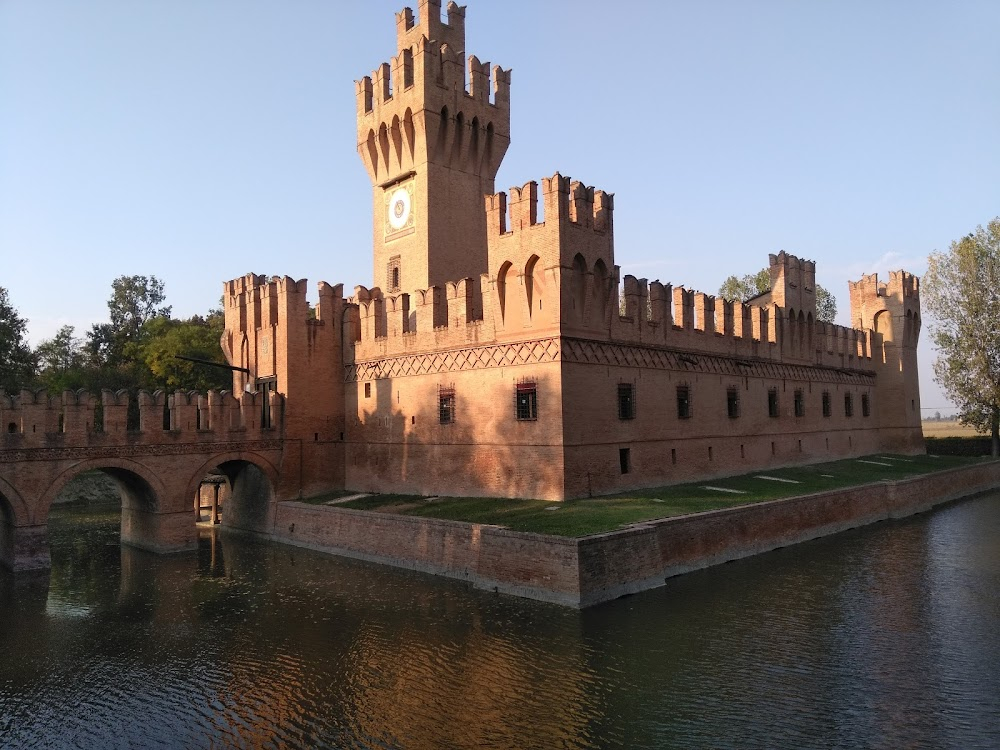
590 570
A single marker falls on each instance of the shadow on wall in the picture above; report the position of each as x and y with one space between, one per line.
462 441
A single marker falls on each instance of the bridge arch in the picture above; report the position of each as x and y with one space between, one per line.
252 481
140 488
13 509
13 513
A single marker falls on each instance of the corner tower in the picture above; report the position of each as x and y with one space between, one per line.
432 139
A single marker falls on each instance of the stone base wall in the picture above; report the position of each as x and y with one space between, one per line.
586 571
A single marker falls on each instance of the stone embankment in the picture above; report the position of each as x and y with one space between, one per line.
580 572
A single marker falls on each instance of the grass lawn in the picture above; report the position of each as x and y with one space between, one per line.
594 515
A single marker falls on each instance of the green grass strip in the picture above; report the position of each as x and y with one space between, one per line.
576 518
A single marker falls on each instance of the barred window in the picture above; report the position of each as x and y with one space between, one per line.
772 402
526 401
800 404
866 406
827 411
446 405
848 405
683 402
368 390
626 401
733 402
392 274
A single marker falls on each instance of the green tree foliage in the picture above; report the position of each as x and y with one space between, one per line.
134 301
961 291
742 289
137 348
62 362
826 305
17 361
164 339
745 288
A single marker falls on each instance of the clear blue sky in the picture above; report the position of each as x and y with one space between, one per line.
198 141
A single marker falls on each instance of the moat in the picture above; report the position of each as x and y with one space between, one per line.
883 637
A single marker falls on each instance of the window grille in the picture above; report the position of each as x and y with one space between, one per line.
626 401
772 402
683 402
800 404
827 411
848 405
866 406
526 401
733 402
446 405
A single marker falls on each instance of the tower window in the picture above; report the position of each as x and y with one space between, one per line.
392 276
526 401
800 404
683 402
826 404
626 401
368 390
772 402
733 402
446 405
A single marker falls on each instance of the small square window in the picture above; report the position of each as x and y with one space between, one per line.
772 402
683 402
848 405
626 401
826 404
800 404
733 402
368 390
446 405
526 401
866 405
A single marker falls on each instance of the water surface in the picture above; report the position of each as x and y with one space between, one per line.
885 637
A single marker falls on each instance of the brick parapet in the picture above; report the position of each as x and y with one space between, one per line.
80 419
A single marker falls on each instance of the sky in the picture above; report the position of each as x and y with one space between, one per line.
198 141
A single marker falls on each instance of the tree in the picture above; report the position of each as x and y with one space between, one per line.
134 301
17 361
163 339
61 362
736 289
826 305
961 291
743 289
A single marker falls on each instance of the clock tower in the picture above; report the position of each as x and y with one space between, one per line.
432 131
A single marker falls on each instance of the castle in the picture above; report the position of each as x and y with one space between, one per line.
494 355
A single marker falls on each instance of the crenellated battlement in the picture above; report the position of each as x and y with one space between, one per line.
891 310
33 418
662 315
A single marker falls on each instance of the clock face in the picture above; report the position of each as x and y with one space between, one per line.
398 208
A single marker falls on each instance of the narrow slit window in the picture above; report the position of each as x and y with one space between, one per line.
800 404
826 404
848 405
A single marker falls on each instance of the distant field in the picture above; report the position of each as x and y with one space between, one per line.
948 429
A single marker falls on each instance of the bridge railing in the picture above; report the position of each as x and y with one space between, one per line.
79 418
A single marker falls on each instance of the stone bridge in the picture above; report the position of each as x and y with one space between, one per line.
158 449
